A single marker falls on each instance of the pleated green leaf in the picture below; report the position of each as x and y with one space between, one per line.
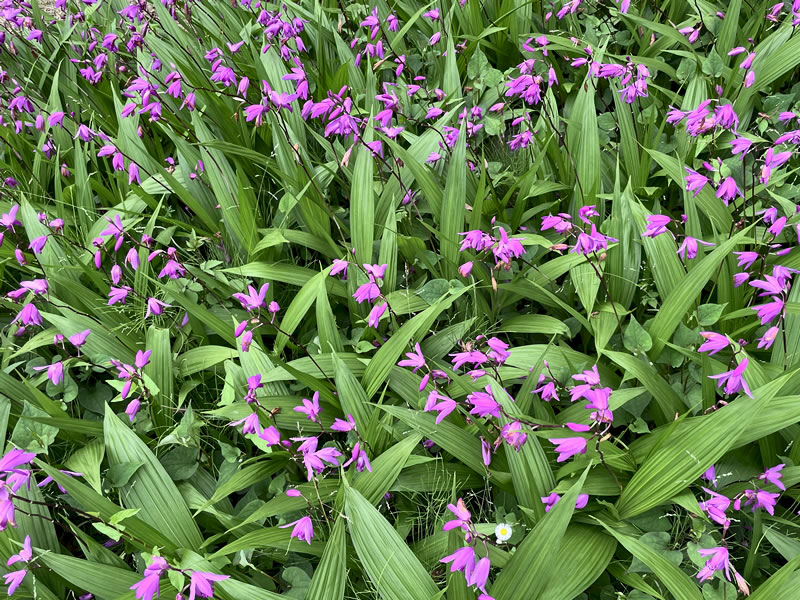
530 567
388 561
151 490
680 585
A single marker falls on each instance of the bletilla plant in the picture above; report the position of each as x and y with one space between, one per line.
403 300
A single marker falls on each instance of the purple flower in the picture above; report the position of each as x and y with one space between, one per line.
716 507
733 380
270 435
148 587
360 458
746 259
444 407
656 225
29 315
14 579
767 312
714 342
310 408
55 372
339 266
513 435
348 425
773 476
24 555
413 359
741 146
768 338
484 404
155 307
480 574
463 516
688 248
37 244
463 560
718 561
567 447
728 190
368 291
551 500
142 358
303 529
375 314
79 339
253 299
201 584
132 408
758 499
118 295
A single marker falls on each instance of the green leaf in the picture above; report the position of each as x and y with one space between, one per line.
388 561
330 575
362 197
451 220
680 459
584 554
151 490
636 339
680 585
530 567
387 356
385 470
104 581
684 294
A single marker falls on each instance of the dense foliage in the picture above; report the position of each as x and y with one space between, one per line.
407 301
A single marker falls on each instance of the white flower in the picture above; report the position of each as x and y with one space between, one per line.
503 532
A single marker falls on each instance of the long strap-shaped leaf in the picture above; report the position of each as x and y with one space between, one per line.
676 581
530 569
681 459
388 561
385 358
330 575
151 489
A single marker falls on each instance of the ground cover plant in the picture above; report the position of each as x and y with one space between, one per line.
406 300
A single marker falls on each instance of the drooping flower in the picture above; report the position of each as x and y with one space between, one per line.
480 574
155 307
463 516
14 579
734 380
374 318
302 529
484 404
463 560
728 190
773 476
688 249
567 447
310 408
202 584
714 342
768 338
55 372
656 225
716 507
767 312
513 435
718 561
